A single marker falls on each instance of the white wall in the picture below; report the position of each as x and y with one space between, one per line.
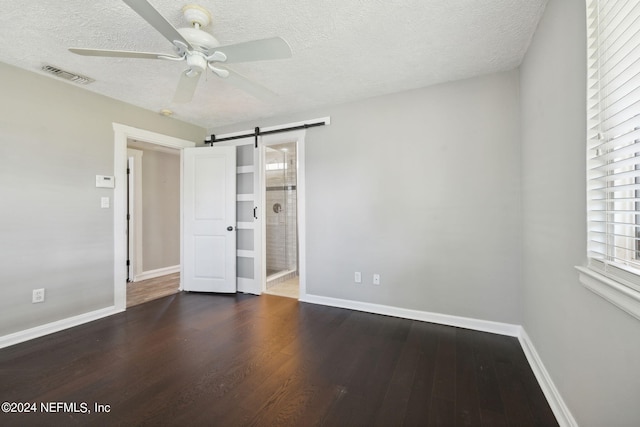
55 137
590 347
422 187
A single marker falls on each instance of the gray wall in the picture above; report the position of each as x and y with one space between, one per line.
590 347
160 210
53 234
422 187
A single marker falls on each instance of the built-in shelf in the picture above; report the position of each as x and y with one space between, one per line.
245 169
245 225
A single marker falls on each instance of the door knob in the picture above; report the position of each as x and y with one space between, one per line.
229 228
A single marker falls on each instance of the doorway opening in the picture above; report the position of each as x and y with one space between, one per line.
281 220
153 221
122 134
252 207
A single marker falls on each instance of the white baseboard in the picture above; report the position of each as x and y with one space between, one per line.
559 408
49 328
152 274
425 316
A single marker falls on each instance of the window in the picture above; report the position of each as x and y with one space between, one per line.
613 148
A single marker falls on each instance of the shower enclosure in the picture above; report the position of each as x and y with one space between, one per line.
281 212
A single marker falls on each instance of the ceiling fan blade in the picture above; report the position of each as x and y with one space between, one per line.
252 88
157 21
186 88
121 53
255 50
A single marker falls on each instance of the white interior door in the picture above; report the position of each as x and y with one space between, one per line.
209 209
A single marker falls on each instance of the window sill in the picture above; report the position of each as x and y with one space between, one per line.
616 293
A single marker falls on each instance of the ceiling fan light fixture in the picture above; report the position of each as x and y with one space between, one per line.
197 62
221 72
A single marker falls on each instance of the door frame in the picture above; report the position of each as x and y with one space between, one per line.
122 133
296 137
245 137
135 212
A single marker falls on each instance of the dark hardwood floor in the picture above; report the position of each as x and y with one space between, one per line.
200 359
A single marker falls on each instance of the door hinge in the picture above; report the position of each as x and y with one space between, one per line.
128 171
128 263
128 217
255 216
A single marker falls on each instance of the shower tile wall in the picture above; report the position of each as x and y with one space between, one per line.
281 233
281 239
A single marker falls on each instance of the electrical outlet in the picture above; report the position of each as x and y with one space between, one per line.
358 277
376 279
37 296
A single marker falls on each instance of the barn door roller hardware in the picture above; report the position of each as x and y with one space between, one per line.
257 132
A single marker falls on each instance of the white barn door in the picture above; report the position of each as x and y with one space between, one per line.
209 209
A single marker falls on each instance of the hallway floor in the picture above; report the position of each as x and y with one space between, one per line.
150 289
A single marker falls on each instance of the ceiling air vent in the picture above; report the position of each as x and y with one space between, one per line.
67 75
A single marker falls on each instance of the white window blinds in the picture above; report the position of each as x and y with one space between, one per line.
613 133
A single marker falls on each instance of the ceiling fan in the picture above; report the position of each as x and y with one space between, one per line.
200 50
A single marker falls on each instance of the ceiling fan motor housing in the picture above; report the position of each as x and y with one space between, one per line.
200 40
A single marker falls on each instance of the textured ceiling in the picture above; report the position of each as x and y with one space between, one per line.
343 50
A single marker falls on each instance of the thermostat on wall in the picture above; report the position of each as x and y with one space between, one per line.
105 181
